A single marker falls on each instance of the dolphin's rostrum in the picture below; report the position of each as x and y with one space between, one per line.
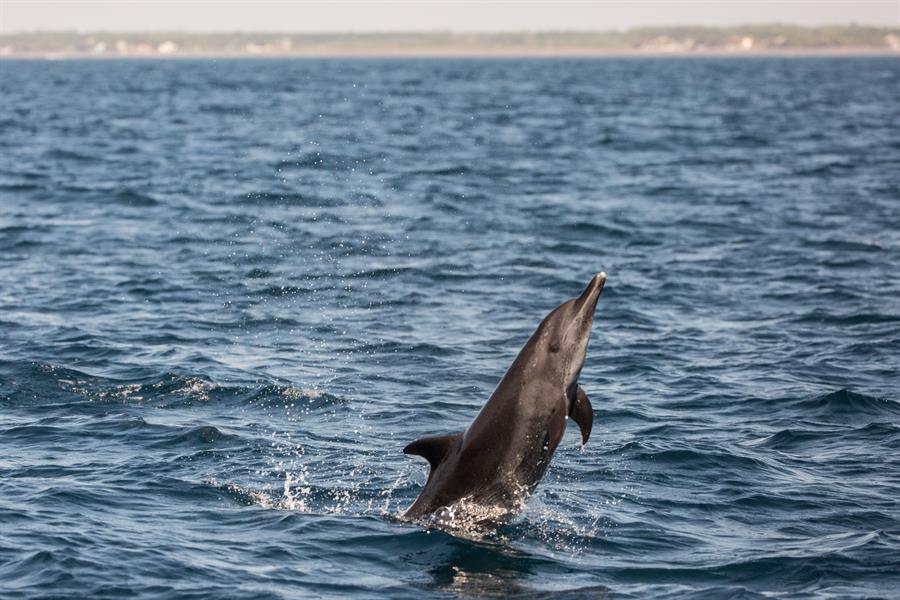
501 457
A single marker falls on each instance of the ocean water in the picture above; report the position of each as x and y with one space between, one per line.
231 291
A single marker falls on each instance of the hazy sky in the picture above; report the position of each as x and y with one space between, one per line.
428 15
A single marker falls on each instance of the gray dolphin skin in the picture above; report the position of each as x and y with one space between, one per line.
499 460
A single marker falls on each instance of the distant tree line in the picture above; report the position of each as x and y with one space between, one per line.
664 39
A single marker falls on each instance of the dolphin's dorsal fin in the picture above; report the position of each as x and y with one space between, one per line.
433 449
582 413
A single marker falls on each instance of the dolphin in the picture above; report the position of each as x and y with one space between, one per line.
499 460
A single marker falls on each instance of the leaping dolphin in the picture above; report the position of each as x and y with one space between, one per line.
499 460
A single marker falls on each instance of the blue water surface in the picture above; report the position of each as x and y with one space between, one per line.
231 291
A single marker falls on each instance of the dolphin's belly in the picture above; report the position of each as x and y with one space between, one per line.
519 460
542 439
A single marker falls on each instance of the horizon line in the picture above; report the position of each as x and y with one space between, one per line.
846 25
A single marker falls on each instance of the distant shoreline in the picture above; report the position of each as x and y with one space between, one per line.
473 54
745 41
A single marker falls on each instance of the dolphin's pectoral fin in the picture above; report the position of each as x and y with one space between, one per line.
582 413
433 449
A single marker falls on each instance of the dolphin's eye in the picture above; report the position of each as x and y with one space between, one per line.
554 346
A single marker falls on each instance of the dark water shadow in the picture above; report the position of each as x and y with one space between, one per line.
490 568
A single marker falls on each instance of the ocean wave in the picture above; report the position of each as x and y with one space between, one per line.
805 439
131 197
200 435
73 155
825 316
21 187
848 406
319 160
291 198
701 460
30 383
283 290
